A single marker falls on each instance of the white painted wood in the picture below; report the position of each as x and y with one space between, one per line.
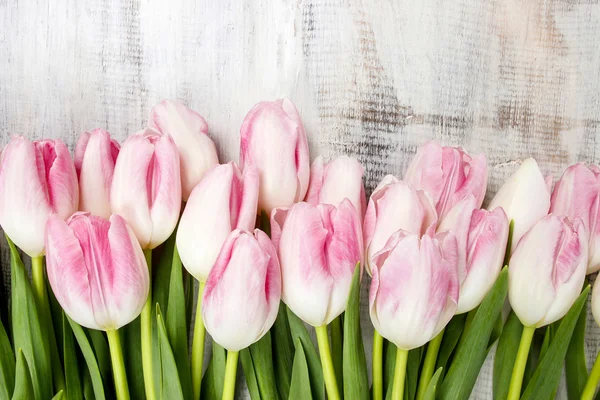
371 78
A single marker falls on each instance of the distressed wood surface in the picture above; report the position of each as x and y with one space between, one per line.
373 79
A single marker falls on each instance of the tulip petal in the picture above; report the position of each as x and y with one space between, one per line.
247 212
278 217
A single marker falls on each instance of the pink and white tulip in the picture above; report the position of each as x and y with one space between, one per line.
223 201
243 290
395 205
274 142
525 198
331 182
547 270
319 248
481 237
197 152
449 175
36 179
96 269
577 195
95 157
414 291
146 187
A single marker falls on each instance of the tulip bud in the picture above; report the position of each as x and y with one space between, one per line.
547 270
449 175
197 152
96 269
274 142
332 182
223 201
395 205
319 247
414 290
481 237
36 179
243 290
577 195
146 188
95 157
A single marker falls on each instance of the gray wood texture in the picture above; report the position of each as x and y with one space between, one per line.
373 79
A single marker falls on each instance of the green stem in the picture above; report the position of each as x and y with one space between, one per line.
590 386
198 346
39 284
116 357
327 363
399 374
146 335
377 366
516 380
337 348
230 375
511 228
429 364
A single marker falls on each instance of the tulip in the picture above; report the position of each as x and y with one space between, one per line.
95 157
197 152
577 195
525 198
395 205
274 142
545 277
332 182
449 175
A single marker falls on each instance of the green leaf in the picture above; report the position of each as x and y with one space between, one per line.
300 386
7 366
262 356
497 331
132 354
88 389
72 381
102 353
356 384
249 374
506 355
59 396
162 261
283 352
298 331
336 331
188 282
219 359
575 363
546 378
24 389
90 359
533 358
472 351
433 384
452 335
28 334
389 363
168 379
207 389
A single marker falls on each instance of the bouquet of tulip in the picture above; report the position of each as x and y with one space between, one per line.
278 249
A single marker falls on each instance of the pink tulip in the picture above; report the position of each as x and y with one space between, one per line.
414 290
448 174
36 179
332 182
243 290
95 157
395 205
319 247
96 269
547 270
197 152
274 142
577 195
223 201
481 237
146 188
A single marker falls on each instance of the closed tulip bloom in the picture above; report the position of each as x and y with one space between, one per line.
318 247
146 188
448 174
414 290
96 269
274 142
223 201
95 157
395 205
525 198
577 195
547 270
331 182
481 237
36 179
197 152
243 290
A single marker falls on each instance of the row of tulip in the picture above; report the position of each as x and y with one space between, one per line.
434 255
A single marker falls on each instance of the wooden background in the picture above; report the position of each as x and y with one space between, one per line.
373 79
